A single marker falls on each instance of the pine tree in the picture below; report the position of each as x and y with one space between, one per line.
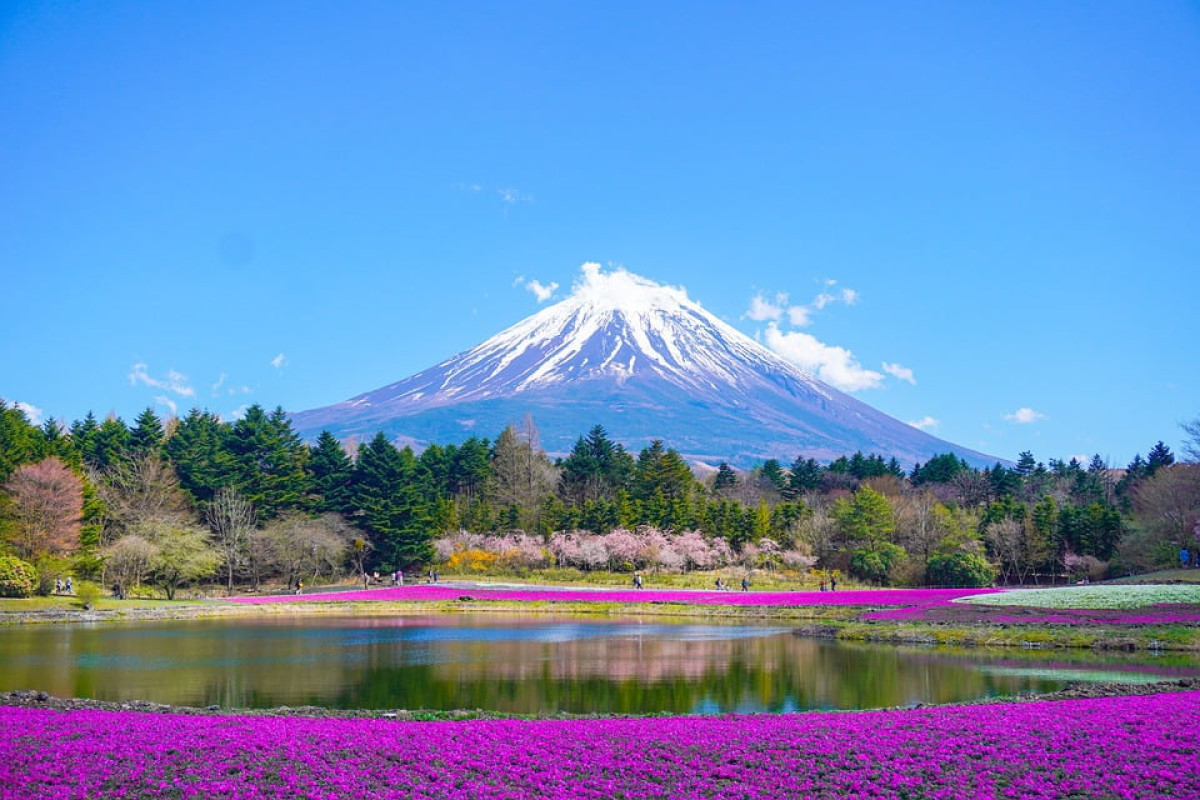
270 461
147 434
19 440
331 475
199 452
391 510
726 478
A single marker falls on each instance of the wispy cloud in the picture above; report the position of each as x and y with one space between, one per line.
899 372
174 382
163 400
764 308
1025 416
926 423
512 197
541 291
279 361
834 365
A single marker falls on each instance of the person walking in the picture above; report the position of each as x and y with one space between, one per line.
745 584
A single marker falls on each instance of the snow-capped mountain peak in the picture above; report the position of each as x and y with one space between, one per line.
647 362
614 324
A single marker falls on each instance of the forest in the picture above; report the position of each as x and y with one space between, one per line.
162 504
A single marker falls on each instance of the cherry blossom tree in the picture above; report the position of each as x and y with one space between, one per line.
46 509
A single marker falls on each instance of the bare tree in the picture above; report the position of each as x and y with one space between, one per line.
1007 540
127 562
1191 448
231 518
136 490
300 546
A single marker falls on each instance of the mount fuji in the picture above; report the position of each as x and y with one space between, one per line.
644 361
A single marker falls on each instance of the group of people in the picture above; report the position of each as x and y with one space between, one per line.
722 586
832 586
64 586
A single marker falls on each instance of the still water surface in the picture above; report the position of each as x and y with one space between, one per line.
525 664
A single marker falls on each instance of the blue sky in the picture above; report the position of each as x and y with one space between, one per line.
992 208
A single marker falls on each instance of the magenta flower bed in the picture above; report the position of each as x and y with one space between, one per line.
428 592
1123 747
943 610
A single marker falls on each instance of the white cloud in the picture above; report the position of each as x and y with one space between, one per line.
175 382
926 423
542 292
899 372
800 316
32 412
279 361
761 309
236 414
834 365
163 400
216 387
1024 416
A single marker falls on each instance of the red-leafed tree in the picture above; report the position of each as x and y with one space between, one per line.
45 508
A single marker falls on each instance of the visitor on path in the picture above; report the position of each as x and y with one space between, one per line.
299 586
435 576
637 581
366 581
822 584
745 584
720 585
399 577
1185 558
833 584
70 585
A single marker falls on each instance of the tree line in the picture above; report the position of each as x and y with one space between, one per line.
177 501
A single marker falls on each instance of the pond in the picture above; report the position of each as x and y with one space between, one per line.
526 665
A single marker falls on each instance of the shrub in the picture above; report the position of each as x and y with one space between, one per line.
876 565
960 569
17 578
88 594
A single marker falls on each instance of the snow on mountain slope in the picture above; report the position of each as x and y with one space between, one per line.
646 362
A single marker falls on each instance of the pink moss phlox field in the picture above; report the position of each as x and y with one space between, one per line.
944 610
1118 747
434 593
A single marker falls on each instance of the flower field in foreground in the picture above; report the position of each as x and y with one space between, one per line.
437 593
1119 747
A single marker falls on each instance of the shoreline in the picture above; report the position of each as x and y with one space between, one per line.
29 698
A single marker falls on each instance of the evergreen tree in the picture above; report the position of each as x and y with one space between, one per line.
939 469
110 444
595 469
661 472
147 434
199 452
83 434
1159 456
20 442
726 478
805 477
270 461
331 475
391 509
